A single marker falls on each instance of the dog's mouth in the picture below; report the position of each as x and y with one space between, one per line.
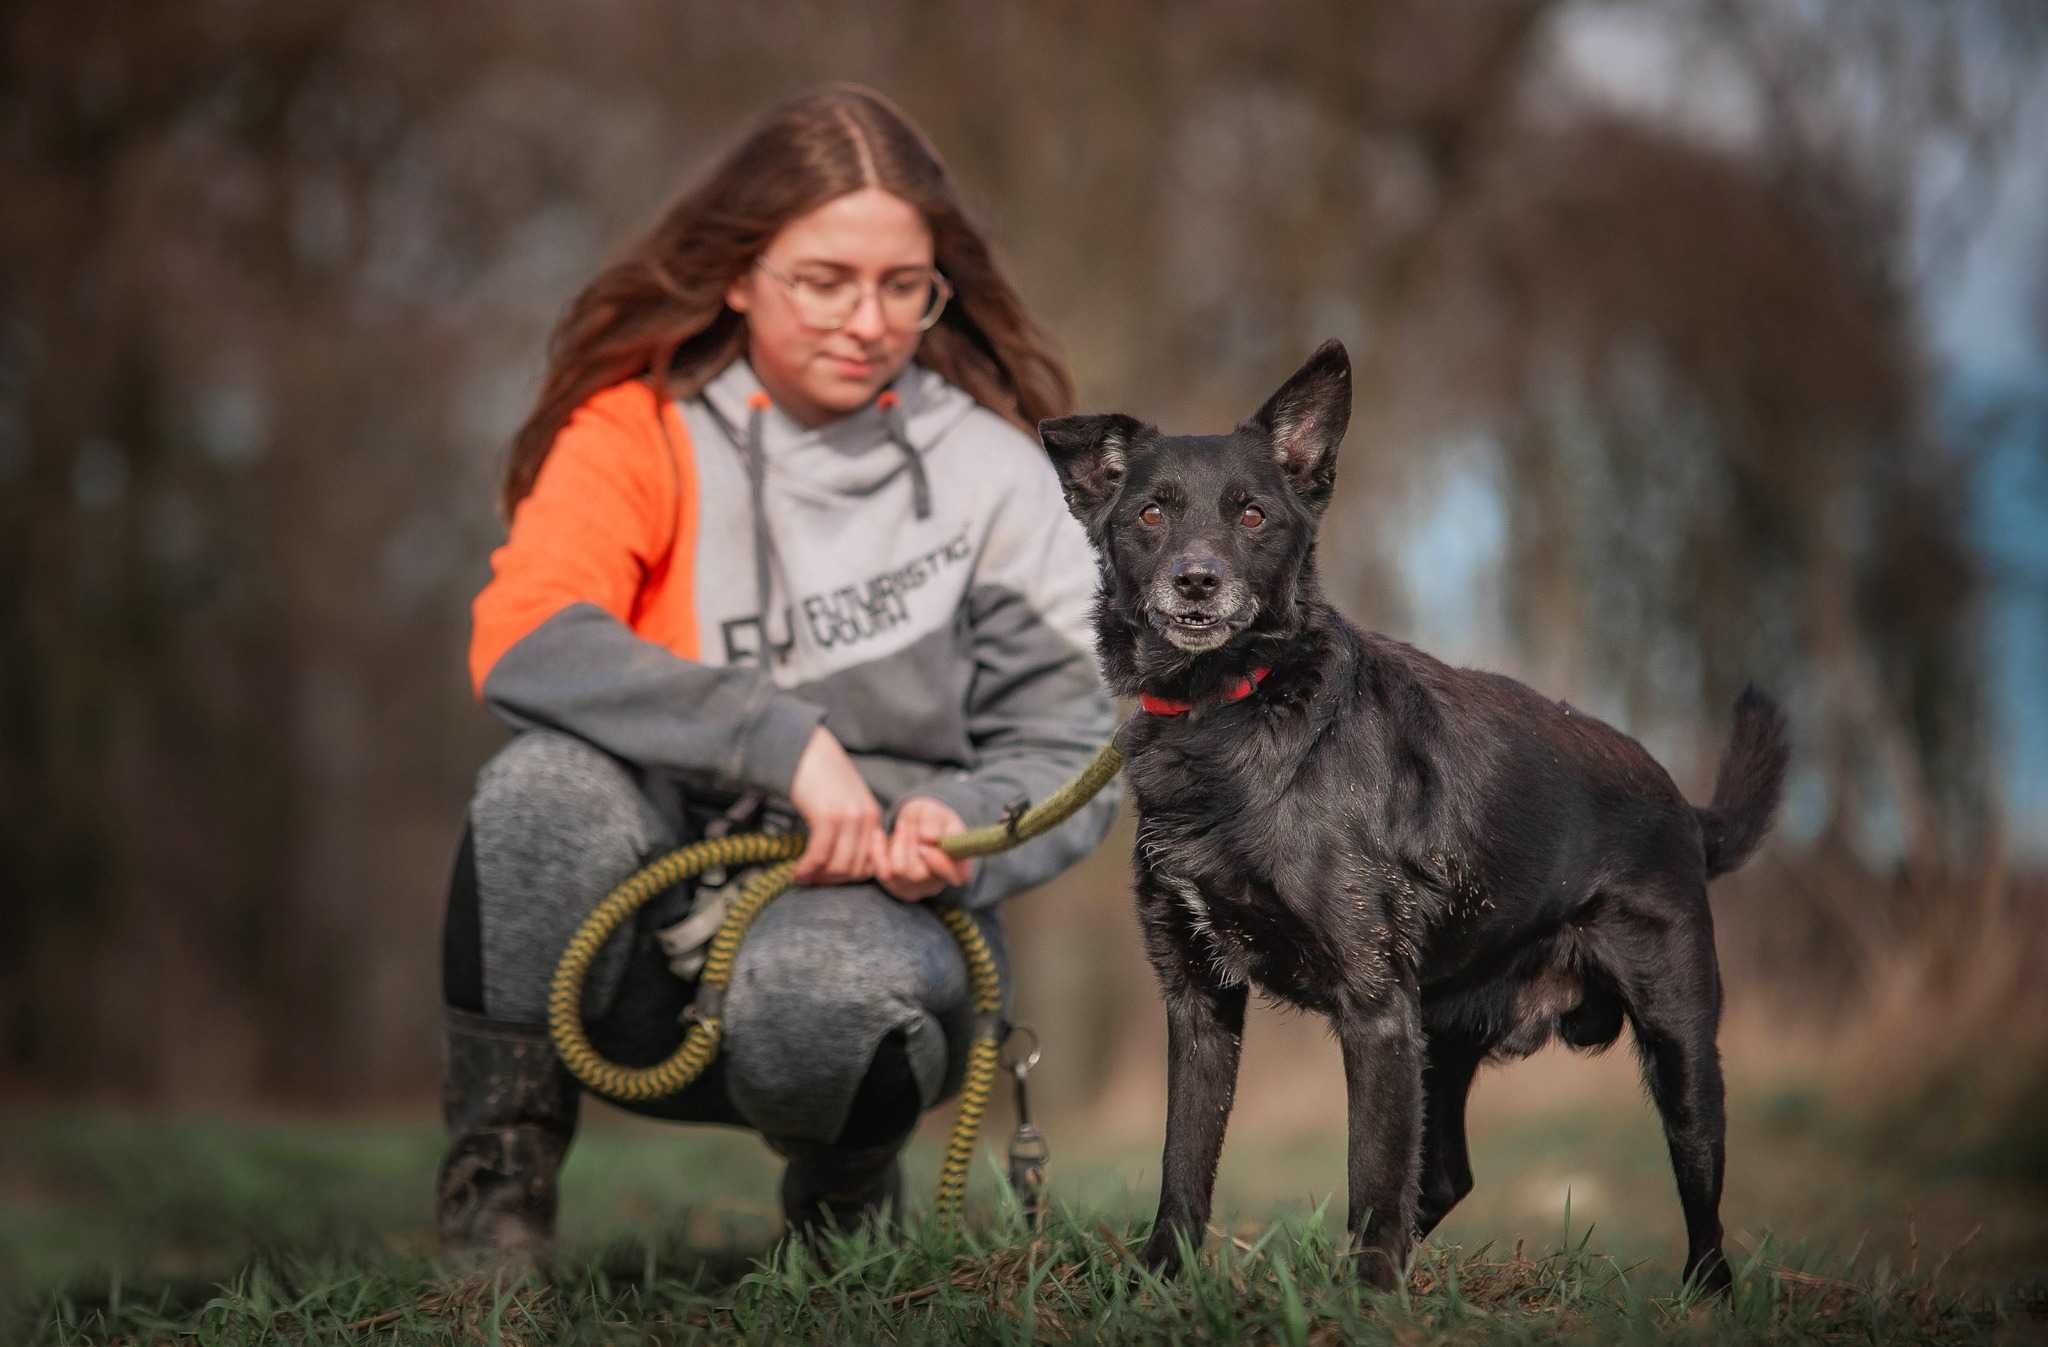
1196 630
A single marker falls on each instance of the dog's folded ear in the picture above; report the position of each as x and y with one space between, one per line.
1305 421
1090 453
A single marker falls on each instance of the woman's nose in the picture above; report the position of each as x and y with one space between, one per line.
867 321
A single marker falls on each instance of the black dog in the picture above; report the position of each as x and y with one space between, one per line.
1448 865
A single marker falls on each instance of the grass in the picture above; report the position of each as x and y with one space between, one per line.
1074 1281
204 1232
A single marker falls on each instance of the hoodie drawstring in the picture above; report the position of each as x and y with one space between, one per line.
757 478
899 434
755 454
754 450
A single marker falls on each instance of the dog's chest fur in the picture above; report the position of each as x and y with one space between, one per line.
1253 866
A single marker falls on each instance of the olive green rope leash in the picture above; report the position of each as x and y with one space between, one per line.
700 1043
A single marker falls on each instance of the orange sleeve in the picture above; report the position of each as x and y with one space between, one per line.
600 519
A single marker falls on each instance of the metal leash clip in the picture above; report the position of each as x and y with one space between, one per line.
1029 1150
686 942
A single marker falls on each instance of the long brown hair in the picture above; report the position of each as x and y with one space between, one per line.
659 311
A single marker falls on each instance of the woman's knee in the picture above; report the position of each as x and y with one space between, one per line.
846 955
554 823
544 782
823 979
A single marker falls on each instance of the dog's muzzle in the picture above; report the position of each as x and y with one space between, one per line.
1203 625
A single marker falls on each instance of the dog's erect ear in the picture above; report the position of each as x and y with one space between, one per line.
1305 421
1090 453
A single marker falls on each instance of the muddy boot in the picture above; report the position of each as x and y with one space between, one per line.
838 1187
510 1106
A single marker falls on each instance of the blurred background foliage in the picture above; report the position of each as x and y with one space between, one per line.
1695 343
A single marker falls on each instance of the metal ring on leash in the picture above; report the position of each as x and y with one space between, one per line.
700 1042
1022 1066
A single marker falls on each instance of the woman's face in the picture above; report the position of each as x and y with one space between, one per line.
869 239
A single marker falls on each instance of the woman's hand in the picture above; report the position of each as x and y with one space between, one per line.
910 864
843 817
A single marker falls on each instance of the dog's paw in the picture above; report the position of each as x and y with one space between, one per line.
1162 1253
1377 1269
1711 1274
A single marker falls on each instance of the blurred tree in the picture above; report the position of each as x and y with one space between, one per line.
277 282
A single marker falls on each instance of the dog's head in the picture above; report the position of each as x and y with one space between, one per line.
1206 539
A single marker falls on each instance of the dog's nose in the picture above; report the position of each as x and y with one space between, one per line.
1197 577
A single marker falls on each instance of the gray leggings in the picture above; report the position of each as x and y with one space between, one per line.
823 977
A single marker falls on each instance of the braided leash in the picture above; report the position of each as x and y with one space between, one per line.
700 1042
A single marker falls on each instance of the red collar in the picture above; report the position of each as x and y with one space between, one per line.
1236 692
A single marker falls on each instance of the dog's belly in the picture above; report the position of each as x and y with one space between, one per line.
1528 995
1254 938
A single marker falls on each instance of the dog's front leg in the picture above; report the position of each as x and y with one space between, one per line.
1204 1031
1383 1050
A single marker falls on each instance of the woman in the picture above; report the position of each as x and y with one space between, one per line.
780 542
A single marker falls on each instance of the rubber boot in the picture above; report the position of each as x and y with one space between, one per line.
510 1106
838 1187
856 1177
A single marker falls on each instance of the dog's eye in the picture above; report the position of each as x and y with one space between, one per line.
1151 517
1252 517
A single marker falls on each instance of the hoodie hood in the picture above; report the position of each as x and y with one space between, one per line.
855 455
843 528
802 475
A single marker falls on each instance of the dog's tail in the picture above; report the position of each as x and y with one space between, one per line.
1748 786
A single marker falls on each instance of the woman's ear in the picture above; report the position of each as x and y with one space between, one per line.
739 296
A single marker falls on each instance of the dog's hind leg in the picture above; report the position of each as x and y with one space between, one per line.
1204 1032
1446 1164
1671 986
1383 1050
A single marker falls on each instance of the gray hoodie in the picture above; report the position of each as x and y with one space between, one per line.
908 574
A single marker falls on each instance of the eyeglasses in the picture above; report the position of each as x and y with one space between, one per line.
910 300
